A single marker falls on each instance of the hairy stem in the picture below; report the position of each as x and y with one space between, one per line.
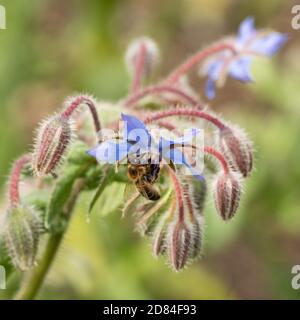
76 102
14 181
196 59
34 280
133 99
178 194
218 156
188 112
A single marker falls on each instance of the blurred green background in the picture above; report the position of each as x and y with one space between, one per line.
53 48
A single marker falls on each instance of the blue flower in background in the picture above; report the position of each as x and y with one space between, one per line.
248 43
137 142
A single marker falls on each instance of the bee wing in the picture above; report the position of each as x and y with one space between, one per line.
129 190
131 198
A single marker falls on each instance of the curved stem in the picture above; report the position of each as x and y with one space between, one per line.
218 156
14 181
157 90
76 102
196 59
185 112
166 125
34 280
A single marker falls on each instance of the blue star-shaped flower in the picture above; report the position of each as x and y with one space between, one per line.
248 43
137 141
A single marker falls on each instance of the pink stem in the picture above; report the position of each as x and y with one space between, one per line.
188 201
178 193
166 125
196 59
185 112
218 156
157 90
139 66
83 100
14 181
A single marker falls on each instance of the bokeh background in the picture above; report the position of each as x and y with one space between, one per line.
52 48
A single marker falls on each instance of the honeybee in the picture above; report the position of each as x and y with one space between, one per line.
144 176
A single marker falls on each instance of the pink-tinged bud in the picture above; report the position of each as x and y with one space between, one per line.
53 137
237 149
142 53
227 194
180 244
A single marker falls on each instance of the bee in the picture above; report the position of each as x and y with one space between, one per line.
144 176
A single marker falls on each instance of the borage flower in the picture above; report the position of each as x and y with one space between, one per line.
138 142
248 44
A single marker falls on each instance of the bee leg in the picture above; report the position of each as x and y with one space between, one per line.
117 166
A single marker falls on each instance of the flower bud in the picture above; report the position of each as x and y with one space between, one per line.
53 137
197 232
180 244
227 194
237 149
21 230
159 237
142 46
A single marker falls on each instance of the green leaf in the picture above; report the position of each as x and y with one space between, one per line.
110 200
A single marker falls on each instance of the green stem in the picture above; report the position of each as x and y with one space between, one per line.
34 280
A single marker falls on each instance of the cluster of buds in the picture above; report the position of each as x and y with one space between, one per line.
22 225
184 238
175 218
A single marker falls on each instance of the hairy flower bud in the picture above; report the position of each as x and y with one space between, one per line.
20 231
237 149
147 51
159 236
53 137
180 244
227 194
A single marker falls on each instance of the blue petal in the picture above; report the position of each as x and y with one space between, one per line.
185 139
92 152
214 67
210 88
177 157
213 71
135 131
240 69
246 30
269 44
110 151
133 122
168 152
